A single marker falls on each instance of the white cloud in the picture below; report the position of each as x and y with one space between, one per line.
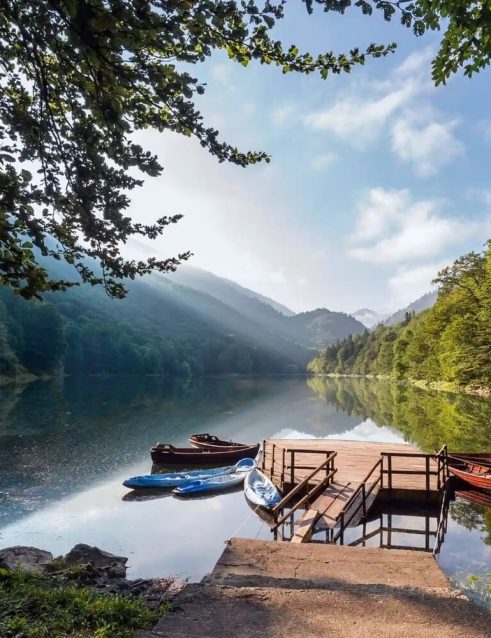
416 64
405 229
359 119
377 211
408 284
222 72
428 147
380 109
323 160
284 114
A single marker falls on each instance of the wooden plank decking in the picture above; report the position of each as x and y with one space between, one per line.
289 461
353 462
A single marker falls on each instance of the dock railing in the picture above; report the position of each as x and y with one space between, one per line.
363 492
388 470
441 530
313 489
288 464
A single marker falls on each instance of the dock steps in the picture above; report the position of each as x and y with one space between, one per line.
306 527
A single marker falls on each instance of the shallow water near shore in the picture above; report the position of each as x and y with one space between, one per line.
66 447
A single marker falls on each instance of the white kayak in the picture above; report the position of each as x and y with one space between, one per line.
215 484
259 490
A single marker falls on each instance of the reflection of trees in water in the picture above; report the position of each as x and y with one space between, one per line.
430 419
58 438
473 517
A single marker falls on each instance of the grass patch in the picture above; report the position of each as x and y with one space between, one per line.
39 606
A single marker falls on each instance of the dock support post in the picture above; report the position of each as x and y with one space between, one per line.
427 460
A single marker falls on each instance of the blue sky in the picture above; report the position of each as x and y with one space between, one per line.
377 178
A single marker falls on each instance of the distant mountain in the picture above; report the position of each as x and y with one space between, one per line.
319 328
252 305
313 329
423 303
368 318
190 322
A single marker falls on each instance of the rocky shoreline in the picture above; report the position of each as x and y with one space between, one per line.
90 567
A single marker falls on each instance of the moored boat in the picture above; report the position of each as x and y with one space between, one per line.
175 479
260 490
474 469
211 442
164 454
217 483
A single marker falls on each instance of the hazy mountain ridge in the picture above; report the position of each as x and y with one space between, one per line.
368 317
423 303
210 325
312 329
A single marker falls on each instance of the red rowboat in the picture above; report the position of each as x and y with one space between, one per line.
474 469
212 442
164 454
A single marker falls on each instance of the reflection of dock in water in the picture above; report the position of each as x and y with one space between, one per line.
332 486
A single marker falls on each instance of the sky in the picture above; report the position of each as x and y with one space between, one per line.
377 178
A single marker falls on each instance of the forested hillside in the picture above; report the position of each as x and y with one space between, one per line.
160 328
312 329
449 342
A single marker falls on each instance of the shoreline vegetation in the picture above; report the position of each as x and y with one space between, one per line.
439 386
84 594
447 347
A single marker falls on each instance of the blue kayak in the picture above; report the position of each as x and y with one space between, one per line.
259 490
175 479
223 482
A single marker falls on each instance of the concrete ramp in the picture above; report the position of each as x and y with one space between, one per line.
263 589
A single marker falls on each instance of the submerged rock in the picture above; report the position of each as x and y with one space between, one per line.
30 559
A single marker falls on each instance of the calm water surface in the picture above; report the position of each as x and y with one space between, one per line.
66 447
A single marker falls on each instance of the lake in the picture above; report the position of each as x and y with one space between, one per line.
66 446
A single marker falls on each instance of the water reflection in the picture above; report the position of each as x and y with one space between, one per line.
429 419
66 447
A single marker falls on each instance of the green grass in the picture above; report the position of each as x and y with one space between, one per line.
33 606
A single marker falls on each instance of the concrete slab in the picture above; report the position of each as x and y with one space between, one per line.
262 589
265 563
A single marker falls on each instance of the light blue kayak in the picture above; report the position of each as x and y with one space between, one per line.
218 483
175 479
259 490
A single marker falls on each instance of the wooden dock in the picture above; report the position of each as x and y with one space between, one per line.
337 481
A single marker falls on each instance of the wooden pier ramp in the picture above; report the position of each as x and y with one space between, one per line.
337 481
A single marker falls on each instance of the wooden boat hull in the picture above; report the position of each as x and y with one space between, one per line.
260 491
475 496
482 480
210 442
193 457
477 458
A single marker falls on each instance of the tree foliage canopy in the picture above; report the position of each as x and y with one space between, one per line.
79 77
449 342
